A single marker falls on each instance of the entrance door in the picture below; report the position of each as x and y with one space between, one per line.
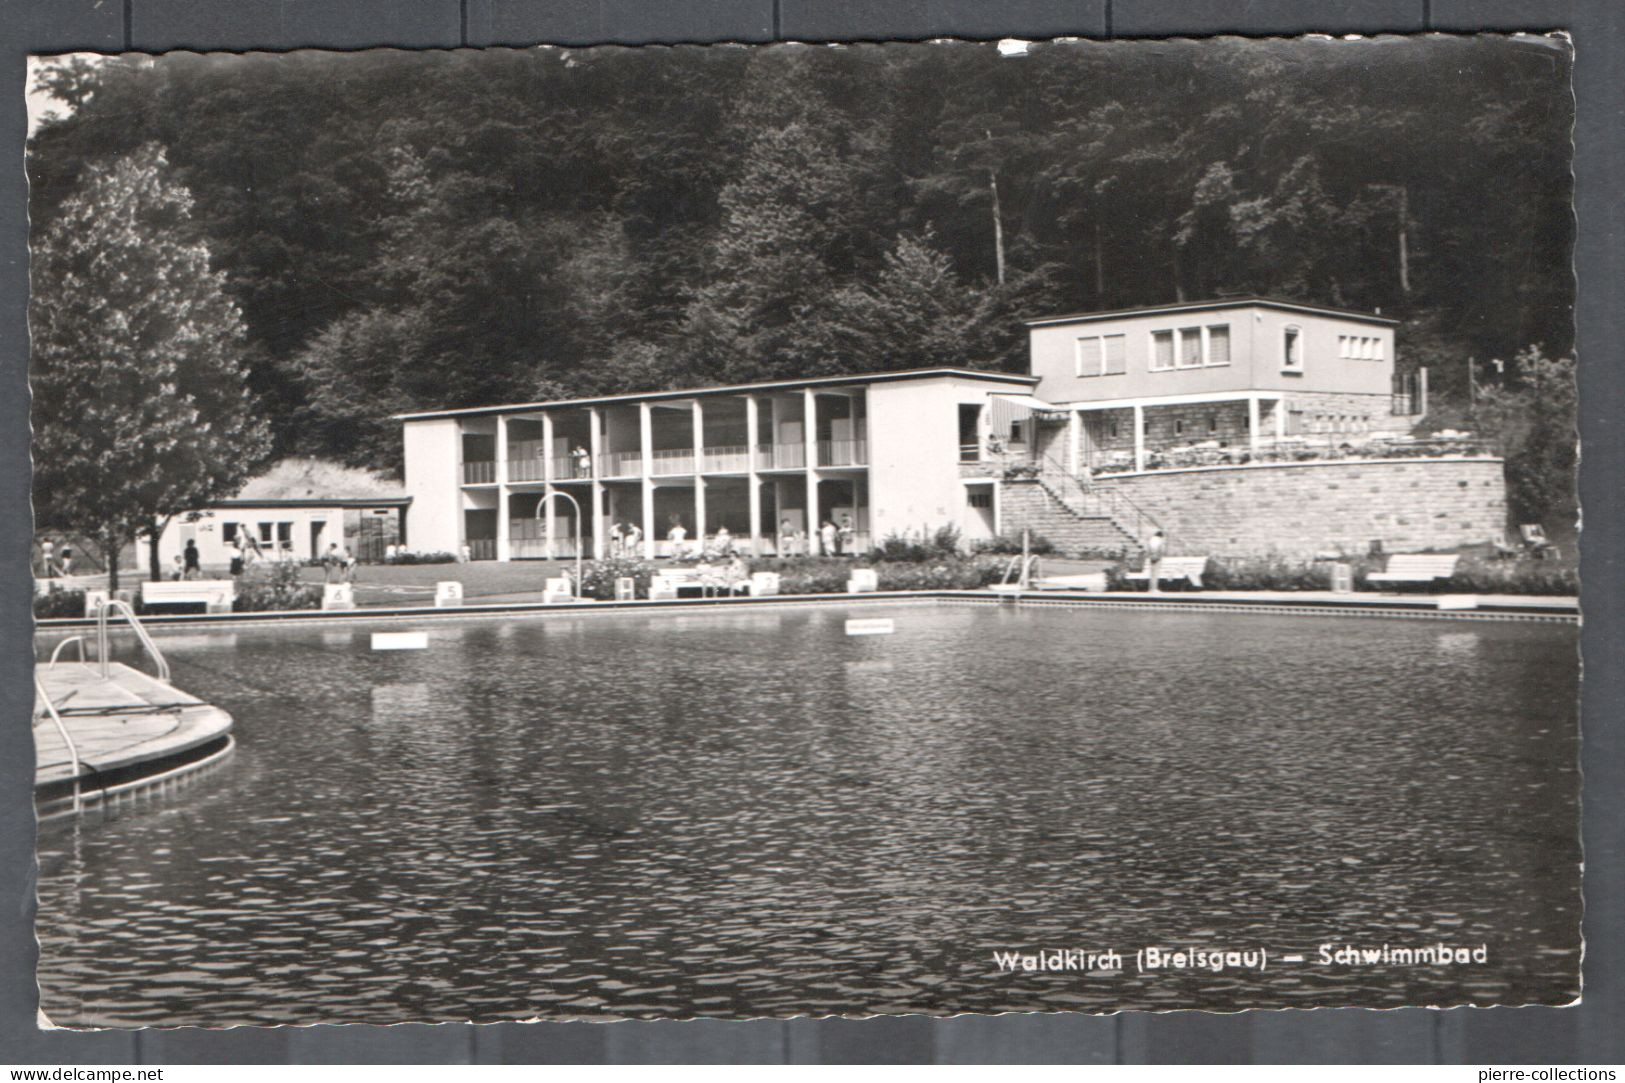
318 538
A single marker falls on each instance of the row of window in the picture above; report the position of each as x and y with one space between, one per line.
1359 347
1204 347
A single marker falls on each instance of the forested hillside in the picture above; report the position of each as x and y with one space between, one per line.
407 230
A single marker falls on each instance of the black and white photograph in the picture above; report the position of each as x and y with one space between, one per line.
804 530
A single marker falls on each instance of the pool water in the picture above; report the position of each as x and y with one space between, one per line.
751 813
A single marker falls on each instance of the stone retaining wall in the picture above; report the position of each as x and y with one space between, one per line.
1299 509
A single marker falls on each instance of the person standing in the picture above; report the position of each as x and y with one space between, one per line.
1154 550
634 540
617 539
725 542
787 537
677 535
191 566
583 461
47 557
237 556
849 536
827 535
65 562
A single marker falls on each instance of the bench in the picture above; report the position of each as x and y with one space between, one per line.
1189 569
670 583
1416 568
215 595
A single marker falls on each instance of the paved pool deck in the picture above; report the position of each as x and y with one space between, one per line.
129 732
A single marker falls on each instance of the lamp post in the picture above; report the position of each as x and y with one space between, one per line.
542 506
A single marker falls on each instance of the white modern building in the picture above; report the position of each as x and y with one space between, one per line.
877 452
1115 403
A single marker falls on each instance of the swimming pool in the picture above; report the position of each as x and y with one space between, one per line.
751 813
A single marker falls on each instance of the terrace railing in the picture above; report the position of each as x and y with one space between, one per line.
1308 447
482 548
843 452
479 473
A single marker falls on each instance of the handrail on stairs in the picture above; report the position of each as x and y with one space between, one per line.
111 605
1099 499
67 738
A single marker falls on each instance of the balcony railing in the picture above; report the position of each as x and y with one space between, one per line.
843 452
781 456
571 467
725 459
537 548
674 461
479 473
620 464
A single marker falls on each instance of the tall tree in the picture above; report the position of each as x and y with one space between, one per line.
141 405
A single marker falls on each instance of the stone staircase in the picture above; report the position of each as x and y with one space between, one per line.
1037 504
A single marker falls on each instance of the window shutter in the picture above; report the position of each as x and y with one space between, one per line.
1162 356
1190 346
1115 354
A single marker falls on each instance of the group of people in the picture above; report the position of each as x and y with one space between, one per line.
54 561
830 540
626 540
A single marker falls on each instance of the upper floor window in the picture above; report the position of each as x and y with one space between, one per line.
1359 347
1292 349
1190 347
1102 355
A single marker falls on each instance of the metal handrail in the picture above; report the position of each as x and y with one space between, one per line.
67 738
71 639
1107 500
102 612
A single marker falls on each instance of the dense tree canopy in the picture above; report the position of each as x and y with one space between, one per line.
409 230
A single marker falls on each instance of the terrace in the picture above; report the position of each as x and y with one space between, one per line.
1308 447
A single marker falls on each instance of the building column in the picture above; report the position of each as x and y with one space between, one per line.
753 482
1139 437
1252 424
1280 418
504 546
809 436
1074 428
595 446
697 413
547 486
646 456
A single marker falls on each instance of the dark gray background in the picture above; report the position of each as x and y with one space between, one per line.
1588 1034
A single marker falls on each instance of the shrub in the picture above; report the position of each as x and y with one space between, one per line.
282 588
59 603
598 577
943 542
411 556
1010 544
822 575
959 574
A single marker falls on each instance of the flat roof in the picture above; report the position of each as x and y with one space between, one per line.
1200 306
732 389
313 502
